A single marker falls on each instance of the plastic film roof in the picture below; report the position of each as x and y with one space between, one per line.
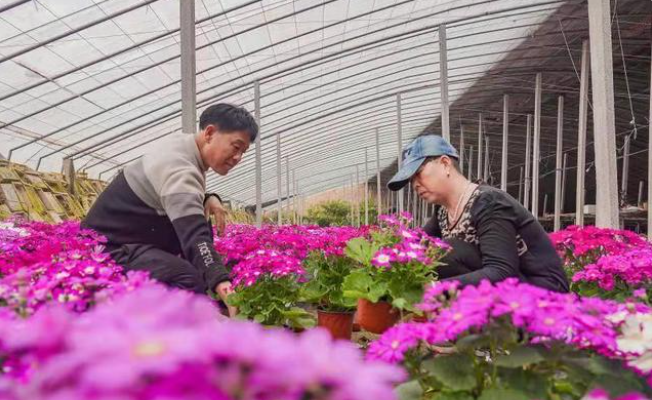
100 81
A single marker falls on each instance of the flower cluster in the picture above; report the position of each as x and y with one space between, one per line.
63 263
589 240
633 268
599 394
636 341
414 247
543 315
241 240
265 263
408 245
156 343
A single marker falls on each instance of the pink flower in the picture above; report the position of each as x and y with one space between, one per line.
155 343
586 323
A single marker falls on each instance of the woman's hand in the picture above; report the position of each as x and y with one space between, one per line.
213 207
223 290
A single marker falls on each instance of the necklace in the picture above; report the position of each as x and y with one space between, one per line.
453 221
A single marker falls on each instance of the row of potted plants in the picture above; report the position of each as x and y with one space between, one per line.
381 274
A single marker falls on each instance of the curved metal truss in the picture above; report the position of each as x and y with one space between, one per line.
100 83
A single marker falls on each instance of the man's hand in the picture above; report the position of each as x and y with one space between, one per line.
214 207
223 290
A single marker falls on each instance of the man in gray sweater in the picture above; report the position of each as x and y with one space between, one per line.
152 213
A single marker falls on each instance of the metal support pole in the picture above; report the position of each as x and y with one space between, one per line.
470 170
528 163
625 173
520 186
415 208
259 170
294 197
604 126
366 186
558 164
563 182
379 202
535 147
188 67
443 78
409 198
279 180
479 176
503 165
287 186
486 159
298 201
641 185
462 149
399 129
545 205
649 171
581 135
352 198
357 194
69 175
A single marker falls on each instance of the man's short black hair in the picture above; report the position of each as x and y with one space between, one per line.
229 118
454 161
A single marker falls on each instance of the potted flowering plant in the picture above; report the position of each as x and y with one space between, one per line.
393 267
267 289
607 263
326 274
513 341
580 246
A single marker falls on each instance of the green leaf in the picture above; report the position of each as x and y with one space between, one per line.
360 250
472 342
299 318
496 393
359 285
535 385
519 357
619 385
456 371
409 391
400 303
453 396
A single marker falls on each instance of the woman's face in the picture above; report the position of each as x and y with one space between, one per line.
431 180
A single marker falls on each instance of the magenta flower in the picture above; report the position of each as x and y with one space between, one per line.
155 343
586 323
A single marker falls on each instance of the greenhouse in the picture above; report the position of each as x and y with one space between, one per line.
325 199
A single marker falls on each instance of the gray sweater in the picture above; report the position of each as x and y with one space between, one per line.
158 200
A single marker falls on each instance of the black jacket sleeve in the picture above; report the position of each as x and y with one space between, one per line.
494 221
196 240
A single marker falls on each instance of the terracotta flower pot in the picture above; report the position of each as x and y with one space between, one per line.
338 324
419 318
376 317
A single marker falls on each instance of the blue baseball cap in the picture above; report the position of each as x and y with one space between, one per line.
416 153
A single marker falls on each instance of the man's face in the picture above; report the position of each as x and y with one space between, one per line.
223 151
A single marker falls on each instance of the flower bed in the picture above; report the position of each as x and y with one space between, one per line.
73 326
42 263
155 343
607 263
516 341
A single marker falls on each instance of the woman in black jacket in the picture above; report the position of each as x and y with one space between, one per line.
492 235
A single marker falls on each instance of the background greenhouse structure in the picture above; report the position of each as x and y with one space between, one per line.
549 100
